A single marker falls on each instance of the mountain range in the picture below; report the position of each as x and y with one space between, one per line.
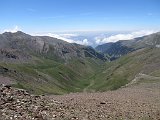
46 65
122 47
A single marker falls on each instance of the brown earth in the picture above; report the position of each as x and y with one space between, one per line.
6 80
136 102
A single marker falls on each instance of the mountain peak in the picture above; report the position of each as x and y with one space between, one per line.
18 32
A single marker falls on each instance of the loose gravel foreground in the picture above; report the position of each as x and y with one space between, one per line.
140 102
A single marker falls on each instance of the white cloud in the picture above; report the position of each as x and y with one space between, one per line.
83 42
127 36
15 29
67 38
68 35
58 36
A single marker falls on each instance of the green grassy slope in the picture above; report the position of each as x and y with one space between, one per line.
47 76
120 72
47 65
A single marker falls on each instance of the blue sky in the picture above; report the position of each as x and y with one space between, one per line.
79 15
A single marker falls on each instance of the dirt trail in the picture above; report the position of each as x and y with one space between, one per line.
87 88
140 77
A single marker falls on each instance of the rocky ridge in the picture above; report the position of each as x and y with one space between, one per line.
22 47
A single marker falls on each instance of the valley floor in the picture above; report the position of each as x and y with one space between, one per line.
138 102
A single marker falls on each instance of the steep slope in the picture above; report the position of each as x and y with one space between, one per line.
45 64
125 69
104 47
56 49
122 47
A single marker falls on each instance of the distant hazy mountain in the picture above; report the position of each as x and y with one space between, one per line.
122 47
104 47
